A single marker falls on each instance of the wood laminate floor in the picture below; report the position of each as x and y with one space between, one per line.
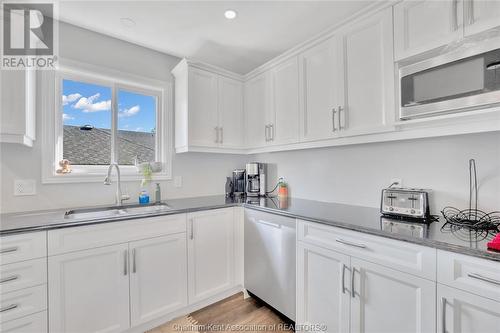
233 314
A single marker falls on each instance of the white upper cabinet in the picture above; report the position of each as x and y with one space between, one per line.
257 108
210 253
17 106
423 25
367 103
208 109
320 80
231 118
202 113
481 15
158 277
284 117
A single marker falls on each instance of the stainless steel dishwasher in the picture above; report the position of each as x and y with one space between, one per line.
270 259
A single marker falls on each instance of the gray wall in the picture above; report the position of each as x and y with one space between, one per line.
356 174
202 174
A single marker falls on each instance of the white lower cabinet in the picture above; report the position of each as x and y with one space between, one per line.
158 277
210 253
386 300
36 323
323 294
463 312
89 290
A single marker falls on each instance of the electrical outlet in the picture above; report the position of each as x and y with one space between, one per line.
24 187
178 181
397 182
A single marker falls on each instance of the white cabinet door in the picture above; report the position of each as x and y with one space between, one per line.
231 120
284 117
203 114
89 290
320 84
423 25
323 291
466 313
386 300
369 76
257 106
210 253
481 15
158 277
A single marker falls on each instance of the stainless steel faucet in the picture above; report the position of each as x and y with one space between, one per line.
107 181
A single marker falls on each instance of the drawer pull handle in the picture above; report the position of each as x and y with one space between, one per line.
343 278
8 307
271 224
8 279
9 249
353 293
340 240
443 315
483 278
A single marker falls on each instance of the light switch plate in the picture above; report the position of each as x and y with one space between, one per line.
178 181
24 187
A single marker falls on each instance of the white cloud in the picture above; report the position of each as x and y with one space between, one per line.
86 104
130 112
70 98
67 117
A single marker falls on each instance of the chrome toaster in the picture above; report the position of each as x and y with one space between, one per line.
405 202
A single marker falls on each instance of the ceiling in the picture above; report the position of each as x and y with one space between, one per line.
198 29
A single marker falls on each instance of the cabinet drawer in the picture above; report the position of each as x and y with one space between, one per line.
88 237
20 303
409 258
36 323
478 276
21 247
23 274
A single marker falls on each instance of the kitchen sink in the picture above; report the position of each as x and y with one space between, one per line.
115 211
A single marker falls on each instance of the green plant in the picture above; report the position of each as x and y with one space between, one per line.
147 172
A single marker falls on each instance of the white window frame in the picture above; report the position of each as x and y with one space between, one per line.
52 124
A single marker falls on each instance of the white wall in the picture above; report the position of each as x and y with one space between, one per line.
202 174
356 174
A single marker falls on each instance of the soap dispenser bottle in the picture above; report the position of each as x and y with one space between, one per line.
157 193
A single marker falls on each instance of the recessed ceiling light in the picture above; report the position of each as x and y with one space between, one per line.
230 14
127 22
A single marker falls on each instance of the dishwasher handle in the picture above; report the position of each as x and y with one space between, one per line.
270 224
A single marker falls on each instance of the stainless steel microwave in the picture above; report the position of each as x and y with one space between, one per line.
454 82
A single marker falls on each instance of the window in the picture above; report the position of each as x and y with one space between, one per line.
101 119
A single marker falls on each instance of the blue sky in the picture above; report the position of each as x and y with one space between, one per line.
90 104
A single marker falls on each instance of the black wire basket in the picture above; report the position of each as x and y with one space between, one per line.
472 219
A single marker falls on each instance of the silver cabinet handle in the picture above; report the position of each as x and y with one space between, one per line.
342 241
8 307
471 13
333 120
125 262
341 109
271 224
191 233
455 14
266 133
9 249
134 270
221 134
343 278
483 278
443 315
271 129
216 128
353 293
10 278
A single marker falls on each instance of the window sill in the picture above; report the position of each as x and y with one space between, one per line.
98 175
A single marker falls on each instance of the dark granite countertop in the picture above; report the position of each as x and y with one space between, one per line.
358 218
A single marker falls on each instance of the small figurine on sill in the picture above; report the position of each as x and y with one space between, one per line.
65 166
